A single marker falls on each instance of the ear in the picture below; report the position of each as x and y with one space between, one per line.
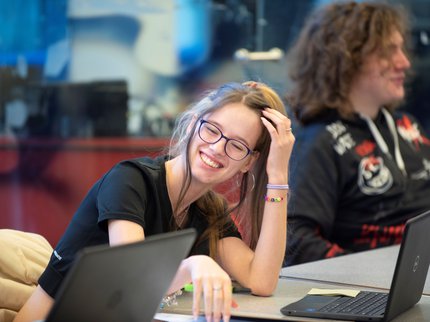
250 162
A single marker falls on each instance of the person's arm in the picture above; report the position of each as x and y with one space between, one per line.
37 307
306 243
203 271
259 269
39 304
120 232
209 280
313 203
124 232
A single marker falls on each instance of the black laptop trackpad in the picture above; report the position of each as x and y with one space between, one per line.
309 303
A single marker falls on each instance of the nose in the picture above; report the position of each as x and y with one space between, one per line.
219 147
402 61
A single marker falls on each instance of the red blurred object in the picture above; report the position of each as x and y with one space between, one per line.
43 181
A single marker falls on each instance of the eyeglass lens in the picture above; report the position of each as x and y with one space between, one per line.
235 149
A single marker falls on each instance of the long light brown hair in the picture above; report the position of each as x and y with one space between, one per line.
331 49
248 211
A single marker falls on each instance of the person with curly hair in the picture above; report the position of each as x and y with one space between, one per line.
360 167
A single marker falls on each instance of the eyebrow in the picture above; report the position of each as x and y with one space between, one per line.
238 138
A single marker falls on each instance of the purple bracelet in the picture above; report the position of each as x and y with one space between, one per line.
278 186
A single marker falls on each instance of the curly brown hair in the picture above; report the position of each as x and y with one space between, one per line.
331 49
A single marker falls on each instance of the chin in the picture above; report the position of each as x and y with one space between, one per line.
399 98
396 97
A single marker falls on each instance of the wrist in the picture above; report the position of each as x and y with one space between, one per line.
278 186
278 179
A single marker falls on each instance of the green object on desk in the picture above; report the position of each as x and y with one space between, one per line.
188 287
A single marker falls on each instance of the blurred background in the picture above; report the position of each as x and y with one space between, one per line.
87 83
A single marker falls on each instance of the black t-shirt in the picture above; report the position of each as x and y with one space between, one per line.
133 190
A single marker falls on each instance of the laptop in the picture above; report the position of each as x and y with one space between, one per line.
406 287
121 283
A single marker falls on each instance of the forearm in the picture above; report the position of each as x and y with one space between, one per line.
182 277
37 307
306 244
270 250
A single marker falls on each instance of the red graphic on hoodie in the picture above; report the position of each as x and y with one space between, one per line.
376 236
365 148
410 132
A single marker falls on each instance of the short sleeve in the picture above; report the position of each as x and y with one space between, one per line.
230 230
123 194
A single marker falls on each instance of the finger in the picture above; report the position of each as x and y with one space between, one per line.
197 293
272 118
227 302
274 112
289 130
218 296
276 117
208 299
270 128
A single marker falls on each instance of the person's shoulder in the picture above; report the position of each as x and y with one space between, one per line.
320 132
137 169
144 163
312 129
402 116
409 127
328 137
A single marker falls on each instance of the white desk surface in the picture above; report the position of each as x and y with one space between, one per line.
288 291
373 268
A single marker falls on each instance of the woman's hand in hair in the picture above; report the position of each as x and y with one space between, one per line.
279 127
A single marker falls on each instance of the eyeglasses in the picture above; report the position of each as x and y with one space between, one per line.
211 134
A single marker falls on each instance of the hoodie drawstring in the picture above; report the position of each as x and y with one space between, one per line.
381 142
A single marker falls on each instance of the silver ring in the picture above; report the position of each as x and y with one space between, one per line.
288 130
217 288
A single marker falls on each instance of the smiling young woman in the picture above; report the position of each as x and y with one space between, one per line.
236 130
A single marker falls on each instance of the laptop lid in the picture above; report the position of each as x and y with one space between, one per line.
406 287
121 283
411 268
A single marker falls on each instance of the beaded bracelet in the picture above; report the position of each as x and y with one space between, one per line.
273 199
170 299
278 186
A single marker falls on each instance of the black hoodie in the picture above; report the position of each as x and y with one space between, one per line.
346 194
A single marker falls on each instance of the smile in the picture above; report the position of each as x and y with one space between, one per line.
209 162
398 81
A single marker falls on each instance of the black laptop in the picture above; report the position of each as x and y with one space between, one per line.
121 283
405 291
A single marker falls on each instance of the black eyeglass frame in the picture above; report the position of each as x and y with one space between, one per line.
227 139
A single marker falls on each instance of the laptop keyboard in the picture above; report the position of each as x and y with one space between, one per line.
365 303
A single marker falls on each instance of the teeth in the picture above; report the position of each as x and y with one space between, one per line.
209 162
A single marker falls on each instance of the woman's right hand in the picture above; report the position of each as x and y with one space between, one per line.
281 146
211 281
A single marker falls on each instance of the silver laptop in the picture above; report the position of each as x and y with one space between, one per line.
122 283
405 291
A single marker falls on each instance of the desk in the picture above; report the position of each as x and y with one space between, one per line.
372 268
288 291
